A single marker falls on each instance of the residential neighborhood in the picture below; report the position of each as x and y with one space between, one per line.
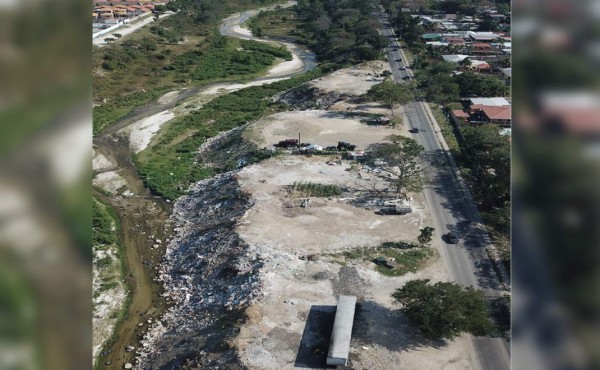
107 15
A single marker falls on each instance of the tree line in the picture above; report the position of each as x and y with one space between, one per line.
343 31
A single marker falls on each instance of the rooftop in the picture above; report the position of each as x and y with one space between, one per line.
495 112
496 101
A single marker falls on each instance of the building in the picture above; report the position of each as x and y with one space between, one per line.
454 58
480 66
499 115
497 101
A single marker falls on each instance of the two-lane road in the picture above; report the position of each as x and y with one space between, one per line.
453 209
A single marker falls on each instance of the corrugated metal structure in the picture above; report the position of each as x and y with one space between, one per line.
339 347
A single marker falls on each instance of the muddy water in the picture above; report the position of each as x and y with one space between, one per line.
145 218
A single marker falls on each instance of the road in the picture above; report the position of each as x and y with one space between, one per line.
128 28
452 209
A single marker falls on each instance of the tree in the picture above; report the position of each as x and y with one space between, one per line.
426 235
488 24
401 160
390 93
472 84
444 310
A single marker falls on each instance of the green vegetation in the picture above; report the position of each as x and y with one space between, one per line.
106 114
169 167
182 50
229 57
405 257
444 310
341 33
435 81
473 84
483 158
311 189
425 237
391 93
400 162
279 23
225 59
104 224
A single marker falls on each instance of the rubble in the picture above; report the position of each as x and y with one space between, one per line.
208 274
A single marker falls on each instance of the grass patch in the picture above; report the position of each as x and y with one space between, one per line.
405 257
311 189
409 260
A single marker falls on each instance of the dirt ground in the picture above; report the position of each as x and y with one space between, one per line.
290 325
353 81
320 127
287 327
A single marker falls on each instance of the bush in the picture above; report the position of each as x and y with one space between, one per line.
444 310
311 189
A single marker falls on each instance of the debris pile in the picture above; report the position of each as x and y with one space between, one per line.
209 276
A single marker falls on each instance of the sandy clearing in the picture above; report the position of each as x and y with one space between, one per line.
241 31
142 131
287 67
326 225
297 293
109 181
318 127
100 162
107 301
353 81
168 97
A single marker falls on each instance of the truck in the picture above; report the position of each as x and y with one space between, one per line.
399 209
287 143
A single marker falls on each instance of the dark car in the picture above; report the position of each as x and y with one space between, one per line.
406 78
414 130
451 238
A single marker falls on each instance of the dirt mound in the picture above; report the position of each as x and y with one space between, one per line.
308 97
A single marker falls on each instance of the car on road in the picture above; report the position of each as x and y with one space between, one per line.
402 68
414 130
451 238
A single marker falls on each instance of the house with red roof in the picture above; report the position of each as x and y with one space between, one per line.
500 115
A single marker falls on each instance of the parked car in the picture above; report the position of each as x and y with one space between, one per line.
406 78
403 68
414 130
451 238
